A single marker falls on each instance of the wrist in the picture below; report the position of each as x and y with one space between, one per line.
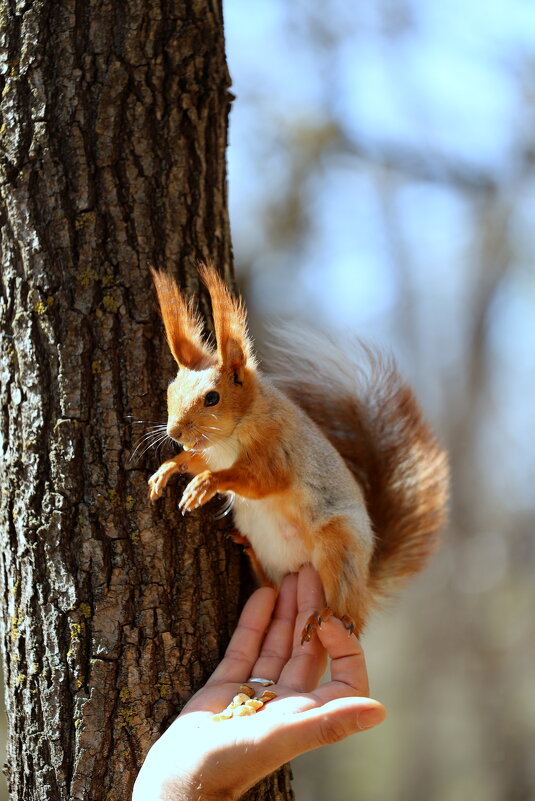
180 789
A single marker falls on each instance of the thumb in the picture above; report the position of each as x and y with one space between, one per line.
325 725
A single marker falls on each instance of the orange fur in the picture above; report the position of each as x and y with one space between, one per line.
380 433
255 474
345 585
230 321
339 472
183 326
191 463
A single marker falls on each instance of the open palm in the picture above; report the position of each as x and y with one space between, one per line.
223 759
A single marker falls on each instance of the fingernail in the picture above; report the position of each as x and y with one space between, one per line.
371 717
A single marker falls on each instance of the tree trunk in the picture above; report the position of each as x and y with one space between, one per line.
113 135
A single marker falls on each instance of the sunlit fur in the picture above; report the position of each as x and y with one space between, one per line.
334 467
183 326
190 421
234 346
373 419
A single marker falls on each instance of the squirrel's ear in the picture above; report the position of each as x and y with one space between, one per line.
234 347
182 325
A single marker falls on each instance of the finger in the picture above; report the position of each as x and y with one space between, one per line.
307 663
277 645
322 725
211 698
245 643
310 595
348 665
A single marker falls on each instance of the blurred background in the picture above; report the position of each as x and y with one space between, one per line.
382 184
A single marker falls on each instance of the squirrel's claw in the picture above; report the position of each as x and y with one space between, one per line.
314 621
317 618
198 492
349 624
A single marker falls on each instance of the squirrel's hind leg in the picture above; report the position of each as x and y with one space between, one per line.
341 560
258 570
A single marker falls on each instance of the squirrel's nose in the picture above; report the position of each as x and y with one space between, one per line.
173 433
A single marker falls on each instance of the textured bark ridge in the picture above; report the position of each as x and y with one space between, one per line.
112 142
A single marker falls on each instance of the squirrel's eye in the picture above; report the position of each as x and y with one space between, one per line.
211 399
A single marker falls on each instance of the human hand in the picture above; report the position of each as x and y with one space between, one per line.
199 758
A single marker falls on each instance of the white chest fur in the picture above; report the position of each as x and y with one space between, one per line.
223 454
275 539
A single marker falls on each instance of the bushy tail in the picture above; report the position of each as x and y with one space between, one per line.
372 418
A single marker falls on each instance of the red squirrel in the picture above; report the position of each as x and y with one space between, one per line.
326 463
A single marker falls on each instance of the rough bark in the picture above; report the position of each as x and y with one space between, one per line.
113 134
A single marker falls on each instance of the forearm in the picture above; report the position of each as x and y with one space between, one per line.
181 789
250 481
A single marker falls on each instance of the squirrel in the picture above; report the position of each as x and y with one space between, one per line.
326 463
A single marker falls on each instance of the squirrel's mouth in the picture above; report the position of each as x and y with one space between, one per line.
194 445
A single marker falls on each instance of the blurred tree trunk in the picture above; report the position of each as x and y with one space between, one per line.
113 136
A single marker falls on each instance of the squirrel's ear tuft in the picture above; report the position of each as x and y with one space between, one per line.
234 346
183 326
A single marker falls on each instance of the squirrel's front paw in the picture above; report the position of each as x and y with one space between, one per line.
199 491
157 483
159 480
